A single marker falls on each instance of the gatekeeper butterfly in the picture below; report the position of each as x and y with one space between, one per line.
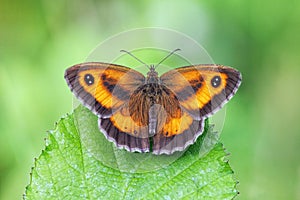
158 114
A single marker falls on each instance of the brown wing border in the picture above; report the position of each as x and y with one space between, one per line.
121 139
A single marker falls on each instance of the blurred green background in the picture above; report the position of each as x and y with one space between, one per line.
39 39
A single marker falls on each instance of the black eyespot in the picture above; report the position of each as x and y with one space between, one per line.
89 79
216 81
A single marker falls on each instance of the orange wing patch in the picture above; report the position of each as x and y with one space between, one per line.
103 86
176 126
205 91
124 122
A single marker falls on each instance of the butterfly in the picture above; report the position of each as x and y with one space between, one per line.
158 114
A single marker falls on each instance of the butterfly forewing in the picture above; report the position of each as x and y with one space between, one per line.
209 87
102 87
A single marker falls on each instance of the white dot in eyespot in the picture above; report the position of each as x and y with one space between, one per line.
216 81
89 79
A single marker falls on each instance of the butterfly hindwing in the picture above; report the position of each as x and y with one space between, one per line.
120 129
177 133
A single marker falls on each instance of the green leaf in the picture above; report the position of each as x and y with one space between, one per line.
79 163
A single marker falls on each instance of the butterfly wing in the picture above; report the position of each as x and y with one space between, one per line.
102 87
125 132
106 89
201 91
177 134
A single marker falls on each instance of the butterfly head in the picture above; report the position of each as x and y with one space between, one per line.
152 75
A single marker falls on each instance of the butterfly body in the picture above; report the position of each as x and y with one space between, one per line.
170 109
154 102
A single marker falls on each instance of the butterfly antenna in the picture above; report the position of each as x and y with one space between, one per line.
135 57
167 57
